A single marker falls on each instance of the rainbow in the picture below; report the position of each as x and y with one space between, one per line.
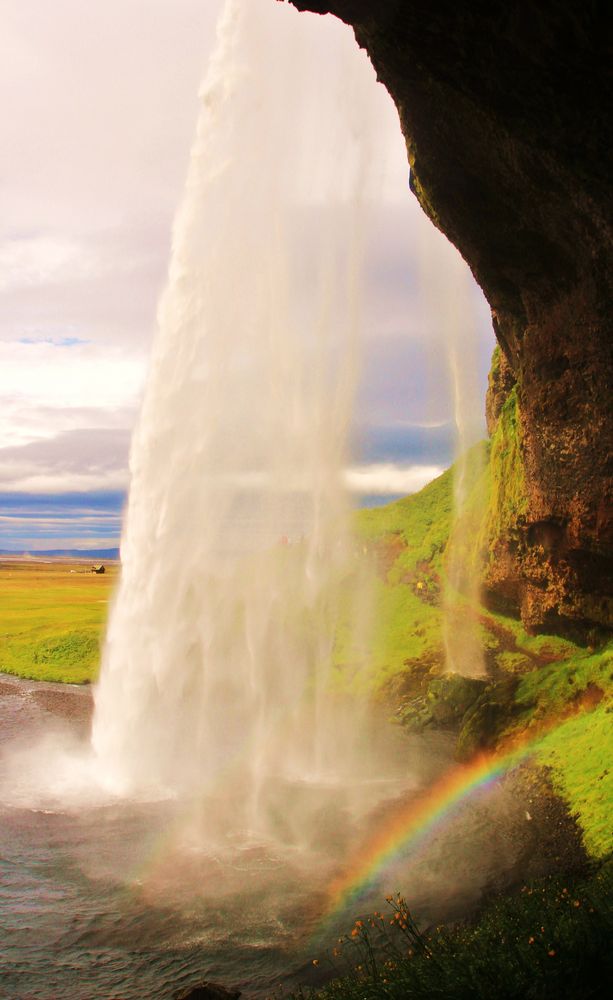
407 830
409 826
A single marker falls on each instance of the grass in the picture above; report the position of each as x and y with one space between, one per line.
52 616
549 941
555 684
579 751
51 619
580 756
404 542
508 499
421 521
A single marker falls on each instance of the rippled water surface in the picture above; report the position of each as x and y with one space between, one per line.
103 899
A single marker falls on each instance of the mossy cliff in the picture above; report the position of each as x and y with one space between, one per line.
531 680
549 693
535 567
505 111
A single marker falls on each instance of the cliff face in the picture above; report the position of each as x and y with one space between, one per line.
505 112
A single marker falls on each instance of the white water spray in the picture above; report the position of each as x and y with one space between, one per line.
235 545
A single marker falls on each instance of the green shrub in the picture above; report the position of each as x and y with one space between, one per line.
547 942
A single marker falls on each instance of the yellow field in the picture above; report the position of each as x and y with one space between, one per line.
52 617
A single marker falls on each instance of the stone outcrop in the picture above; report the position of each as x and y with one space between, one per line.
505 112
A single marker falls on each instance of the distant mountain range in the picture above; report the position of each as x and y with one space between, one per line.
89 555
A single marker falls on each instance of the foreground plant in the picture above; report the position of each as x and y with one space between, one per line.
550 941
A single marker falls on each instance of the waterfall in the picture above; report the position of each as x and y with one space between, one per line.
461 632
235 547
449 299
218 675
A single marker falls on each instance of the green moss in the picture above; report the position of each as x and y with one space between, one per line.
580 755
494 366
553 647
451 696
508 501
545 674
513 662
557 684
578 750
406 629
487 718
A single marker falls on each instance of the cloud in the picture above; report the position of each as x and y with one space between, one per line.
103 104
388 479
40 260
47 387
103 289
36 519
60 520
84 459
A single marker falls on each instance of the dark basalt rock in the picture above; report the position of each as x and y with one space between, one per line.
486 719
449 697
207 991
505 109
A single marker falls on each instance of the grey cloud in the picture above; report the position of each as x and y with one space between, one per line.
89 452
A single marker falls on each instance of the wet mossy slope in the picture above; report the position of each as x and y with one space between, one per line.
532 680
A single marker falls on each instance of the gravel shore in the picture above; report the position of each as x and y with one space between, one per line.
71 702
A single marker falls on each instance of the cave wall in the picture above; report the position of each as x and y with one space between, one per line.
505 112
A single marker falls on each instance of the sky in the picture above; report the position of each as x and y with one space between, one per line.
100 106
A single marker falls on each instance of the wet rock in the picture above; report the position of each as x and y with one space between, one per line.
485 720
207 991
450 696
443 702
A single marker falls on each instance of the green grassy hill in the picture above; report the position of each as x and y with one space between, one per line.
530 680
51 619
552 938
